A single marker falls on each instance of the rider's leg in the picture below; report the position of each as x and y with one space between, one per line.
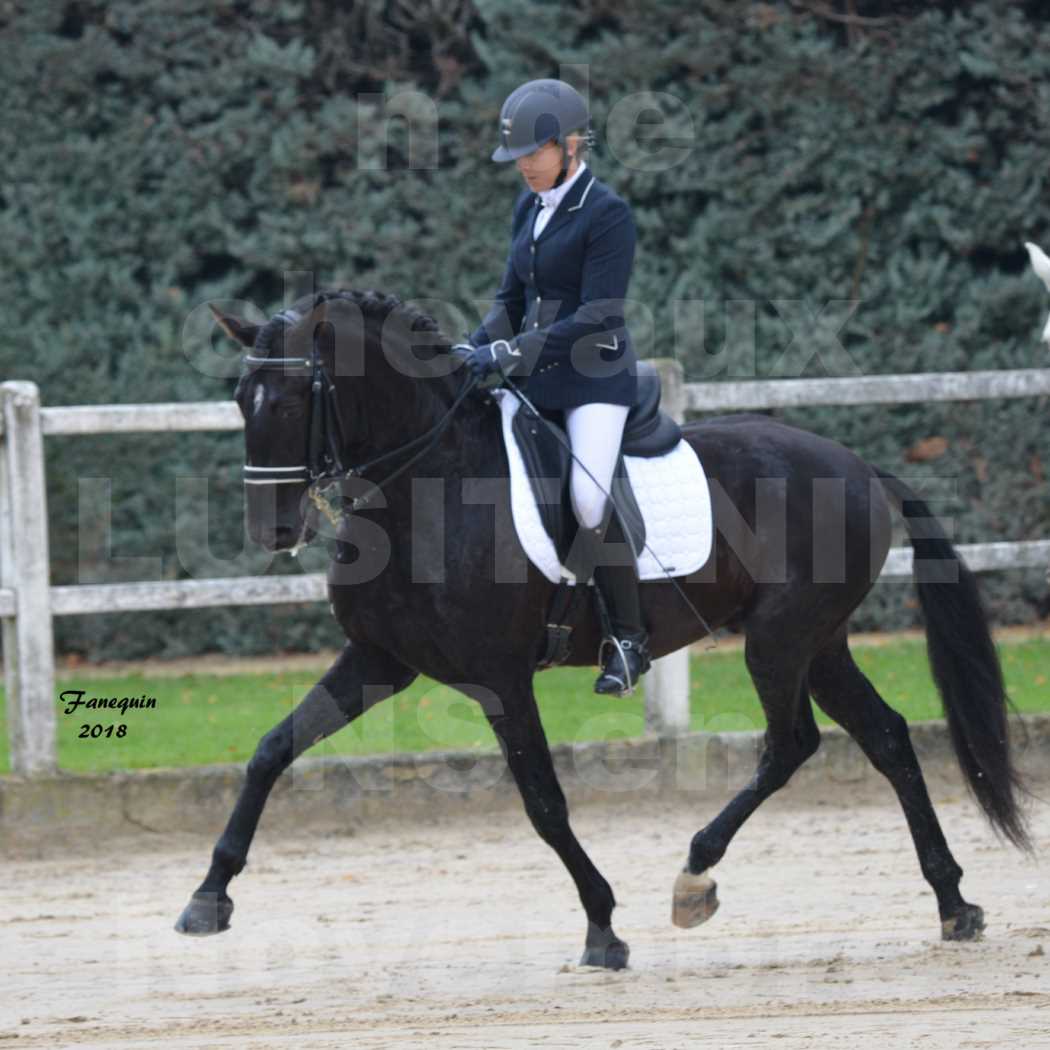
595 432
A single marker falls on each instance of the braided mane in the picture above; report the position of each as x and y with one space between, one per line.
374 305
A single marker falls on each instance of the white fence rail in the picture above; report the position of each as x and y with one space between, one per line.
28 602
866 390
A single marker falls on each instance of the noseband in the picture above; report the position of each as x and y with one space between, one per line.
326 441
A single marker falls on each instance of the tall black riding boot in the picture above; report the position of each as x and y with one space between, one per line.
625 656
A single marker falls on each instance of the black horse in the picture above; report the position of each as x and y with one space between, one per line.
359 378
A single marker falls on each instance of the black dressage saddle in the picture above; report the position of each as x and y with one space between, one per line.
648 432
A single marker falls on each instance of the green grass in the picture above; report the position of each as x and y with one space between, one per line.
205 719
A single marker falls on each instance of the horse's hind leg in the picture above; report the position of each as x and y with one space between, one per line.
361 676
518 728
791 737
842 690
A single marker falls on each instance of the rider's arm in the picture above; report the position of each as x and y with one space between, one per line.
606 272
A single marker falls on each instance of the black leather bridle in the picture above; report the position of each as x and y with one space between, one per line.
326 434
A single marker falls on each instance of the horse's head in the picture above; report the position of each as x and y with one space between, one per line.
307 406
274 396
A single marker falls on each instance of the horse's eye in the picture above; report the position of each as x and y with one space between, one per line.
290 410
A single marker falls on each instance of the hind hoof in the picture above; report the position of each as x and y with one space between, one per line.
612 956
207 913
695 900
604 948
966 925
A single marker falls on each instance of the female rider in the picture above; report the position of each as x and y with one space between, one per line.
557 328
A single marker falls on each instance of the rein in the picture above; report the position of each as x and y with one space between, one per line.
326 436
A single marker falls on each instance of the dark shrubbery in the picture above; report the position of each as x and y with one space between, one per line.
157 155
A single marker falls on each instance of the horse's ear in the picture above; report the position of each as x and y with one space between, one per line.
239 331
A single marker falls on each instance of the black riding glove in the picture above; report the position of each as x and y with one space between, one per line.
499 356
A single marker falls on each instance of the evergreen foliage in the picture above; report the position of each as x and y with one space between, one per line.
157 155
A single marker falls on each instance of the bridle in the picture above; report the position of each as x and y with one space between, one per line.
326 434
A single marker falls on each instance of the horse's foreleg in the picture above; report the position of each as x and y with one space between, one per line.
524 744
791 737
360 677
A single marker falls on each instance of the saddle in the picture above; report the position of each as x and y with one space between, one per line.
648 432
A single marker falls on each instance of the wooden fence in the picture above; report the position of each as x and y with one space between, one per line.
28 602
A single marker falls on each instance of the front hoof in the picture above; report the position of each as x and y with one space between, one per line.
604 948
207 913
695 900
965 925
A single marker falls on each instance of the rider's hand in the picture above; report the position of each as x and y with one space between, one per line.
481 361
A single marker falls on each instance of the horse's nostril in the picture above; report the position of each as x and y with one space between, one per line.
284 534
274 538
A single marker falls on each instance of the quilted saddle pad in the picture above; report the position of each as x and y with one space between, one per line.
672 494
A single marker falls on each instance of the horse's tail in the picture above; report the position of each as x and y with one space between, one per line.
965 664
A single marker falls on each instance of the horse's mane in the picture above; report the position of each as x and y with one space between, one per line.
379 305
374 305
435 388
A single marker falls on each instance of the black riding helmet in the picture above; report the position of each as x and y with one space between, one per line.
537 112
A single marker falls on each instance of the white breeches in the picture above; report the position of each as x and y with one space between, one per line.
595 432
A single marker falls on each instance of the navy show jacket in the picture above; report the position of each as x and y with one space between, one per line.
561 300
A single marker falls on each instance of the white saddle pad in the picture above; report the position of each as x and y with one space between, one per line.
672 494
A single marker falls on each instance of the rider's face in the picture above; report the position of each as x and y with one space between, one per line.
540 168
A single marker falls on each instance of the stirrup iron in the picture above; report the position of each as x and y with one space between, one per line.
622 647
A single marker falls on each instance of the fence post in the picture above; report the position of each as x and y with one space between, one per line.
25 569
667 683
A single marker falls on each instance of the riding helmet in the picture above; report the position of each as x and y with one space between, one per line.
537 112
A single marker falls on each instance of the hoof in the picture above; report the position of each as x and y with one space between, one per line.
604 948
695 900
964 926
613 956
207 913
